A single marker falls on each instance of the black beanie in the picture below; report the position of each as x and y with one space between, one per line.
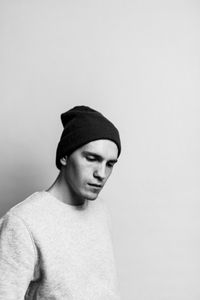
81 126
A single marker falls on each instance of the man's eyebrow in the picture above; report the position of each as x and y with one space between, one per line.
99 157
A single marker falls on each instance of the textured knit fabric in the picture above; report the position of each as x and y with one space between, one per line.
82 125
51 250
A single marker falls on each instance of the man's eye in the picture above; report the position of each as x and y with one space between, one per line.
110 165
90 158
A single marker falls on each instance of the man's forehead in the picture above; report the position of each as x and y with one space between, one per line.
102 147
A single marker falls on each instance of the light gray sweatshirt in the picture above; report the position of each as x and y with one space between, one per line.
55 251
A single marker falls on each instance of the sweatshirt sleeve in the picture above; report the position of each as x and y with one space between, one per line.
17 258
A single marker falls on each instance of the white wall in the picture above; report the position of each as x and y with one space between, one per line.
139 63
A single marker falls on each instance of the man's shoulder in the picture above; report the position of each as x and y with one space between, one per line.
27 211
30 206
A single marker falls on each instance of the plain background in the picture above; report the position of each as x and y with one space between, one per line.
138 62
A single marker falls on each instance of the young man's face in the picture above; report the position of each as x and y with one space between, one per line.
88 168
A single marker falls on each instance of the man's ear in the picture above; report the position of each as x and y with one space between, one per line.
63 161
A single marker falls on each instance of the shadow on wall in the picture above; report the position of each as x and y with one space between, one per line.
18 181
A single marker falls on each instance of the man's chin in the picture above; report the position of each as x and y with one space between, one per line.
91 196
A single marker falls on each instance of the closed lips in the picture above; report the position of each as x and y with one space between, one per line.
96 185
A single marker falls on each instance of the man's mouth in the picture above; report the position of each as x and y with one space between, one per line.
99 186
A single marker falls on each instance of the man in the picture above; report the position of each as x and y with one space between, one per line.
56 243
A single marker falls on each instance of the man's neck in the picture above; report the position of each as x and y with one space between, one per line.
62 192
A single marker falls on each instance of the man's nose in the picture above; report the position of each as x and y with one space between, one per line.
100 172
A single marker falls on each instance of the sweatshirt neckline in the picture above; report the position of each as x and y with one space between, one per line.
64 204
